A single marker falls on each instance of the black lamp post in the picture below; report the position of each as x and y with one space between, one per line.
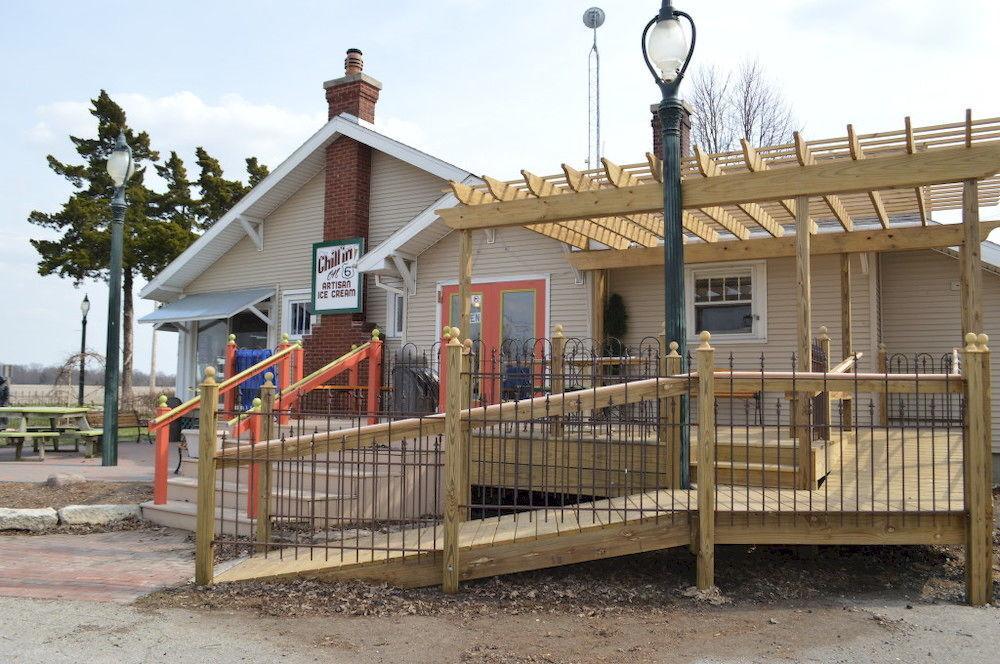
665 48
120 168
84 309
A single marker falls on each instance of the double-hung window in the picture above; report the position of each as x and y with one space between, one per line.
395 315
730 301
296 314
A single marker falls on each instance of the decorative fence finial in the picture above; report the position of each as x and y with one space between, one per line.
284 337
705 337
673 349
162 401
970 342
210 374
269 379
983 339
375 334
232 338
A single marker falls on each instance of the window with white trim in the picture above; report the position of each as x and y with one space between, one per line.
395 307
296 314
730 302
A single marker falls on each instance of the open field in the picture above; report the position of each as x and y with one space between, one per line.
63 395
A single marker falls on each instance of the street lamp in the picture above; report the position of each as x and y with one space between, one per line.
120 168
84 309
667 54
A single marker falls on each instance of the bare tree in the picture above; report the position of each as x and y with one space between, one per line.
741 104
712 127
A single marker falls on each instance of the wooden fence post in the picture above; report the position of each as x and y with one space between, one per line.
161 452
670 409
978 475
453 462
229 398
253 473
883 398
557 376
204 563
706 463
465 430
443 368
826 416
263 470
374 376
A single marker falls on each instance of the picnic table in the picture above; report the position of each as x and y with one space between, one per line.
63 422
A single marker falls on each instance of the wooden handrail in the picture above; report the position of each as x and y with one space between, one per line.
846 364
589 399
225 386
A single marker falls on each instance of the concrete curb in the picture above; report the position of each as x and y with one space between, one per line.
46 518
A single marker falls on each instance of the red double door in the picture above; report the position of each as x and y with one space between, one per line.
510 314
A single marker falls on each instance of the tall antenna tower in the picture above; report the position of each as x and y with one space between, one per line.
593 18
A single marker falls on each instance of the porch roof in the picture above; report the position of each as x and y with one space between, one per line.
856 182
207 306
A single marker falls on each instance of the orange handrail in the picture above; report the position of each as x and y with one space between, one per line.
225 386
289 396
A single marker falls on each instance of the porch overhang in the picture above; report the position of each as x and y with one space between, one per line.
207 306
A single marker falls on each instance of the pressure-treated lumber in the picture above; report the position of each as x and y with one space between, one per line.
806 158
464 280
708 167
906 238
803 291
846 322
706 464
204 561
978 467
876 198
823 179
454 460
970 260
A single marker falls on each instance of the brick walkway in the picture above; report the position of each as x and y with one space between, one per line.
102 567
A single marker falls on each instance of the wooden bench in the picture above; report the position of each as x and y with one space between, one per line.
127 419
38 439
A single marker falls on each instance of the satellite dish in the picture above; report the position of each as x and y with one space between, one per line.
593 18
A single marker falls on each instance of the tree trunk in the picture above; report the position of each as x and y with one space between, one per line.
128 323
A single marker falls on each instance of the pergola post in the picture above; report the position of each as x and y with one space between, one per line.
598 300
464 281
846 334
972 276
803 293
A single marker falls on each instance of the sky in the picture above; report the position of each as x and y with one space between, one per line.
491 87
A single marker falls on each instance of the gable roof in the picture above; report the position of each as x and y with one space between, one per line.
300 167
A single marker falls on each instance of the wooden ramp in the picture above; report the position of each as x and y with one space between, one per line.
496 545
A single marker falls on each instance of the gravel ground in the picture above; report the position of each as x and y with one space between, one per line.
35 494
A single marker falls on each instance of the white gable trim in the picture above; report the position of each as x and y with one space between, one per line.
170 281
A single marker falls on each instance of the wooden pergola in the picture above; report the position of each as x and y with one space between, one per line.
853 193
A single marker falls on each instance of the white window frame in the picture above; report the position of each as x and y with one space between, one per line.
395 329
758 300
287 298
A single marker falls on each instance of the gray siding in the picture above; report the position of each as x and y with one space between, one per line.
642 290
921 313
515 252
289 233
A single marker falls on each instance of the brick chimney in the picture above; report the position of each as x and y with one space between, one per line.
658 132
355 92
346 202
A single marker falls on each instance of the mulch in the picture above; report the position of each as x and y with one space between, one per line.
645 584
37 494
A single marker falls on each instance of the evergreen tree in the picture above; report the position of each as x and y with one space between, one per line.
217 193
256 172
152 237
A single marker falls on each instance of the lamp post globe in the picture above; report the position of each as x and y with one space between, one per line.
120 168
667 53
84 310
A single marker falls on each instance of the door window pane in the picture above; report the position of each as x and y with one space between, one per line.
212 339
518 322
475 316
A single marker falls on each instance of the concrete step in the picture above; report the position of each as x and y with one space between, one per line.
184 516
185 489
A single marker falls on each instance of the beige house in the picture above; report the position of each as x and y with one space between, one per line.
252 273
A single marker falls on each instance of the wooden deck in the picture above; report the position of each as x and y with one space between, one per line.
892 487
